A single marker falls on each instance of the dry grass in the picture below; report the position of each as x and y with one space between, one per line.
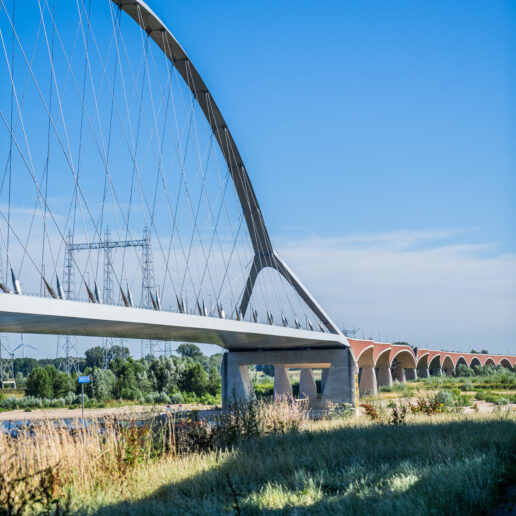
443 464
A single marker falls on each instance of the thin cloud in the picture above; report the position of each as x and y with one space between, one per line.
440 295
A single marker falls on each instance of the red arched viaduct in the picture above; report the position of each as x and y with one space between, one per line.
380 363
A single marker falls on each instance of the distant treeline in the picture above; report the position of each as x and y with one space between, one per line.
189 376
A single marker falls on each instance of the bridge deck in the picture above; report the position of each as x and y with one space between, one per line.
26 314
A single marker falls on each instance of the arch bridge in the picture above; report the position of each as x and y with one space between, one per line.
107 129
382 363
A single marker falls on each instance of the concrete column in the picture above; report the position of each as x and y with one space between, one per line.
340 384
398 373
384 376
367 384
282 386
436 372
423 373
307 387
410 373
236 383
324 377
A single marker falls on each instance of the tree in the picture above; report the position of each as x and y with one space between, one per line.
474 351
119 352
102 384
62 384
484 352
194 379
24 365
164 373
267 369
132 381
94 357
190 351
39 383
214 381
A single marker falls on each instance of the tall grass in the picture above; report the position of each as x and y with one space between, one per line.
273 461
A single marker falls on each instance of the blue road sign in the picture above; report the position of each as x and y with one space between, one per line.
84 379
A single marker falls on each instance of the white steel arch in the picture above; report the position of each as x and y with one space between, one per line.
265 255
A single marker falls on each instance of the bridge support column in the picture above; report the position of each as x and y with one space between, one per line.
367 384
384 376
410 373
324 377
339 385
423 373
436 372
398 373
282 385
307 387
236 383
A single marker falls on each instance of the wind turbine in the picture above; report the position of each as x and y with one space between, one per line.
22 345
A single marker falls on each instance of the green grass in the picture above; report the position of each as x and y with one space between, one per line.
446 464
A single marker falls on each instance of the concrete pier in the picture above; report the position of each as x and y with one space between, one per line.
324 377
384 376
307 386
340 380
282 385
398 373
410 373
236 382
423 372
367 384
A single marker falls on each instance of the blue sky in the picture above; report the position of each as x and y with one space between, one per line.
383 134
371 116
379 137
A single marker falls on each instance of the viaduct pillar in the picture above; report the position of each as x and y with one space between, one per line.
398 373
410 373
384 376
367 384
423 372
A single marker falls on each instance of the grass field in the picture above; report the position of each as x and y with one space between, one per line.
441 464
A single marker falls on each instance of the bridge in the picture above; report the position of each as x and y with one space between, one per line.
108 132
381 363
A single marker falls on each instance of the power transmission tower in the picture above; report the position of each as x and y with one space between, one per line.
6 366
148 284
67 344
107 245
107 342
150 300
6 359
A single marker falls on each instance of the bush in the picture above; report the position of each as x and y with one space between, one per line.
162 397
385 388
468 386
444 398
177 398
463 370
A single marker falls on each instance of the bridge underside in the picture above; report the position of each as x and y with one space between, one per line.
25 314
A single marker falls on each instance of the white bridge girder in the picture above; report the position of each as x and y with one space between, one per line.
27 314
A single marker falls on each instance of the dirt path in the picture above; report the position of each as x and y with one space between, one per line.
64 413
